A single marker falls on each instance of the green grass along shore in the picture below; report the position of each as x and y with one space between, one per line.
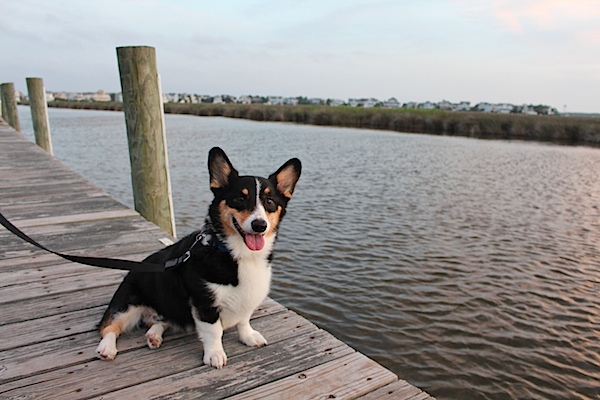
556 129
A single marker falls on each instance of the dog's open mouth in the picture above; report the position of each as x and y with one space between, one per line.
253 241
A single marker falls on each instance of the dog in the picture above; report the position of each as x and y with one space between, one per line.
222 272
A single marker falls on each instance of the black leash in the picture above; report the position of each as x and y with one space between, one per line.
113 263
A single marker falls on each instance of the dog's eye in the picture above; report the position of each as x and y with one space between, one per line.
239 199
270 204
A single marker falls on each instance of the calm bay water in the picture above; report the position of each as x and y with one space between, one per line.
470 268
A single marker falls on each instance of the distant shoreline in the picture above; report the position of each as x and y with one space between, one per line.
556 129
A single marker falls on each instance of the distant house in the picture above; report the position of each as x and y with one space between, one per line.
463 106
354 102
366 103
244 99
503 108
371 102
428 105
485 107
335 102
392 102
446 105
528 110
410 104
449 106
100 95
290 101
315 101
170 97
275 100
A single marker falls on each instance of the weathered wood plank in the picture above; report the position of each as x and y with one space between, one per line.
11 195
31 364
360 376
49 328
243 372
397 390
68 219
45 306
41 208
30 290
16 186
27 177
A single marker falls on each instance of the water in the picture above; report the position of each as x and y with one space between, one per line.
470 268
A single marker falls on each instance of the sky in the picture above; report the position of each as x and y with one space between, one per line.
513 51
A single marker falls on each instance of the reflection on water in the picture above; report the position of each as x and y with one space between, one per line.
470 268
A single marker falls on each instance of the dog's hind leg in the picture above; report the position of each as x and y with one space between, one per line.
112 327
157 326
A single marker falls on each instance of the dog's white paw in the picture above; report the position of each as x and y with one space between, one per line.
216 358
253 338
107 349
153 339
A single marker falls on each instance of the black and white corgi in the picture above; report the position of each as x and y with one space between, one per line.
223 271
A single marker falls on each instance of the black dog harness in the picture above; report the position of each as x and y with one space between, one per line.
201 237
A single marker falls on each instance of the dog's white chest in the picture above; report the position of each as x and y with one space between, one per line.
238 302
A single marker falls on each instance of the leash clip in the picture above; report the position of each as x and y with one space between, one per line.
199 237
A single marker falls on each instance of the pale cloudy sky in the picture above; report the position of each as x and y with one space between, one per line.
516 51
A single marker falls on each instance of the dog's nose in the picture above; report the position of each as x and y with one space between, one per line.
259 225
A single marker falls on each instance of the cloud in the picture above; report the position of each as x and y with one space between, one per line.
527 18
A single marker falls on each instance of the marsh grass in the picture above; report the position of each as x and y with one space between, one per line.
557 129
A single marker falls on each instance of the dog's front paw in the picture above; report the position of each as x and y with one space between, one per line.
215 358
107 350
253 338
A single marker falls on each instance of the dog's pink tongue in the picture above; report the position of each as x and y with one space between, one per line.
255 242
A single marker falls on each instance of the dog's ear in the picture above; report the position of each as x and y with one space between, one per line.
220 168
286 177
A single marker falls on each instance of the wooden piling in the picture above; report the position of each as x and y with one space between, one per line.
39 113
144 117
9 105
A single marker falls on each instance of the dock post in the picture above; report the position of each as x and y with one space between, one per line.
9 105
39 113
144 118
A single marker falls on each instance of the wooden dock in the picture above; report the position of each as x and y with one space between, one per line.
50 308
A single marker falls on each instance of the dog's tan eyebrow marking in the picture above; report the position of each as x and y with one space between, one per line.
245 191
267 191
